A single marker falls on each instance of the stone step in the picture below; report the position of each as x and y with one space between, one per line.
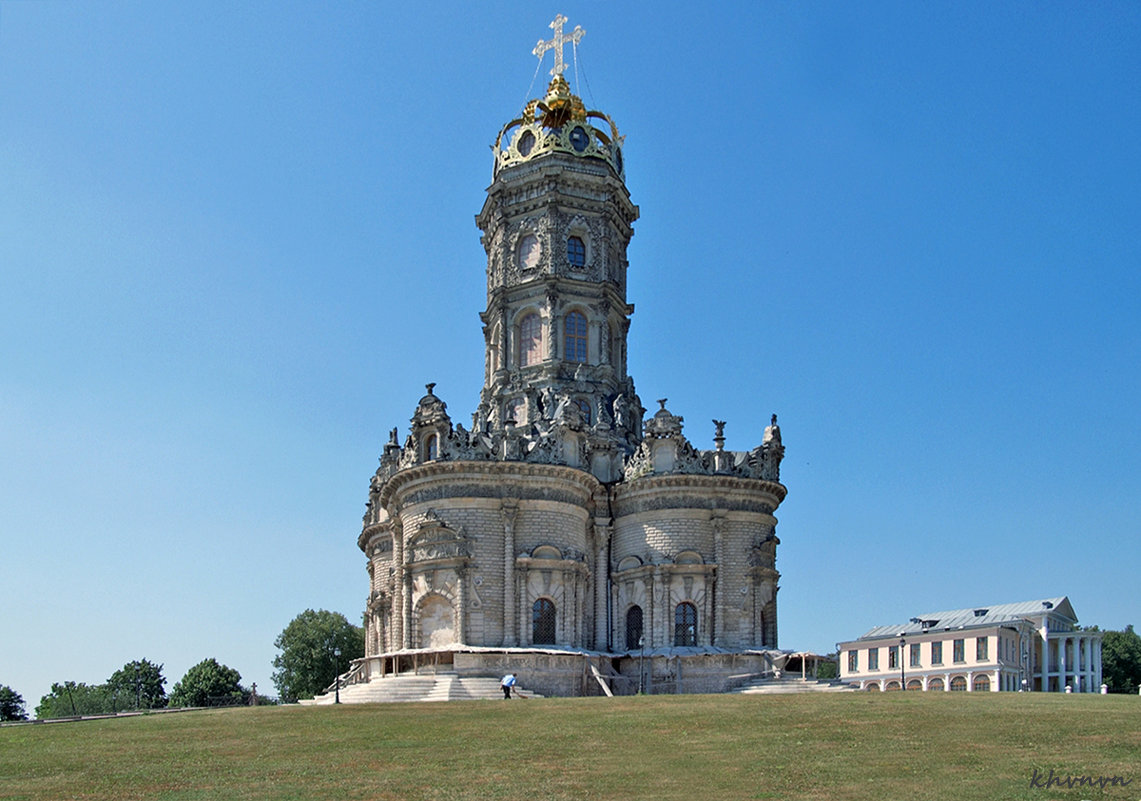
407 688
791 685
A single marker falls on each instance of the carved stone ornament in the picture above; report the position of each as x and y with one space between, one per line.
435 541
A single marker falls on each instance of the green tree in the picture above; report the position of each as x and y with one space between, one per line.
11 704
1121 660
306 664
139 684
829 670
208 684
76 698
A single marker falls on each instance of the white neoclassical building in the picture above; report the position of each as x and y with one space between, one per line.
1032 646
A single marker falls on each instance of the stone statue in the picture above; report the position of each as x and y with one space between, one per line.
772 433
622 413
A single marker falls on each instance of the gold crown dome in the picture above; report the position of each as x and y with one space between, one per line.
558 122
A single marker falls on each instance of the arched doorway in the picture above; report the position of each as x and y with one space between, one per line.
633 628
437 622
543 622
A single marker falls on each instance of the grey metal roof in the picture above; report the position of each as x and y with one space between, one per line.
967 618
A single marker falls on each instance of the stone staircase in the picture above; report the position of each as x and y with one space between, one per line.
406 687
792 684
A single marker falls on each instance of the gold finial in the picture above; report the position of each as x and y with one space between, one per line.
557 43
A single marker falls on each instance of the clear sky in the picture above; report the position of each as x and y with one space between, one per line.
236 240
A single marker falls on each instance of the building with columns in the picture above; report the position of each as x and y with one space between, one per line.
1032 646
564 532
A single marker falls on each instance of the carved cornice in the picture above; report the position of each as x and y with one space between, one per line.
695 491
484 480
370 531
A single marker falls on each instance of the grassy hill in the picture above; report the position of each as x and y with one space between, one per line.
893 746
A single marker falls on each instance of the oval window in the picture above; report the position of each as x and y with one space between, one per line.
526 143
579 138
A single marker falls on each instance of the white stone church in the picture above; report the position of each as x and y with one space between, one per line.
562 535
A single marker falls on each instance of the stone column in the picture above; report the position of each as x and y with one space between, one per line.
970 681
461 602
1061 641
1097 677
509 510
553 327
946 682
407 607
601 579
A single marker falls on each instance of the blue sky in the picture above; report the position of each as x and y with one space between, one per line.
236 240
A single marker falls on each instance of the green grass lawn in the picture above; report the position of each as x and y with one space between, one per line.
893 746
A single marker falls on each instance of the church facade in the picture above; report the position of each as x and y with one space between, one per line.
564 523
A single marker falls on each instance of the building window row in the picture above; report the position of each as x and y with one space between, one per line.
685 626
531 338
529 252
915 658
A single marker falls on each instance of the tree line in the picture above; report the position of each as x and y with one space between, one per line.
306 665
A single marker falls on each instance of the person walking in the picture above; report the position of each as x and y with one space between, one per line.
508 684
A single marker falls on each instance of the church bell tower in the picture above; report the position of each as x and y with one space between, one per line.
556 225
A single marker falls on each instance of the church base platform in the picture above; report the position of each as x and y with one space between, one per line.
555 672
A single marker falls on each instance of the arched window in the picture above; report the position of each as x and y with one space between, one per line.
576 252
958 684
915 684
982 684
584 407
530 340
871 685
935 684
633 628
892 686
431 447
575 337
543 622
685 625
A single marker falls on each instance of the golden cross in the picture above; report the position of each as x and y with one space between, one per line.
557 43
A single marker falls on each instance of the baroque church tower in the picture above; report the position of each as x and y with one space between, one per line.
562 523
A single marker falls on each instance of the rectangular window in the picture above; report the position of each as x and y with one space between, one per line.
853 661
914 662
958 651
893 657
936 653
981 649
873 659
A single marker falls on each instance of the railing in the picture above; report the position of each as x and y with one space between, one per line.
357 674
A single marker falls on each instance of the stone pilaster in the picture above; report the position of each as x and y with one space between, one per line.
717 631
602 531
398 583
509 510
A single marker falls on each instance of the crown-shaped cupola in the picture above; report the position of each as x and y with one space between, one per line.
559 122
